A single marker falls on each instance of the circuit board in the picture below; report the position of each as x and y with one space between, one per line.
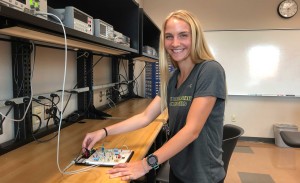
106 157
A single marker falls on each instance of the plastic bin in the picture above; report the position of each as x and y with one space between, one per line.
282 127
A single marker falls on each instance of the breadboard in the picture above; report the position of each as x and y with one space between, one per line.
106 157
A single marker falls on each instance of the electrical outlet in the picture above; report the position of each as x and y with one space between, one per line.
100 96
47 110
233 118
107 94
37 110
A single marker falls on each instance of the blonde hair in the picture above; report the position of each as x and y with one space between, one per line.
200 50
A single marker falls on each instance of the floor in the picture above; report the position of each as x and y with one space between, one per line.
256 162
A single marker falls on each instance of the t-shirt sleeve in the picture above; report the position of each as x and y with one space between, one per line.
170 78
211 80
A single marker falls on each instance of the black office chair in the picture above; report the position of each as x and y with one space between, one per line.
231 134
291 138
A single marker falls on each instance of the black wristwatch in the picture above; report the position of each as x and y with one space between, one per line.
152 161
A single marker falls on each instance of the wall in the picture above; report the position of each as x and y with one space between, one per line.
6 87
256 115
229 14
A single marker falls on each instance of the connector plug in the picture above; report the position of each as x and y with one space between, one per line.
9 103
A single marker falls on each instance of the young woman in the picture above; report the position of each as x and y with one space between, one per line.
195 97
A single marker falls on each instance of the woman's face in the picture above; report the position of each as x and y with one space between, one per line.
178 39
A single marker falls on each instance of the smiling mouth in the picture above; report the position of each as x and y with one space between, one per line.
177 50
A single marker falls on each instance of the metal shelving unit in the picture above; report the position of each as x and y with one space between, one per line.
20 28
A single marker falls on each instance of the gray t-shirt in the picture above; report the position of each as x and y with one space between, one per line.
201 161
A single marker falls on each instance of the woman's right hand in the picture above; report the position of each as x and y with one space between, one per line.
92 138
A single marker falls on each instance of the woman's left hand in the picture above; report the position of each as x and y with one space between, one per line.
128 171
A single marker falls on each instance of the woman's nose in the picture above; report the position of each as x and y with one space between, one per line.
175 42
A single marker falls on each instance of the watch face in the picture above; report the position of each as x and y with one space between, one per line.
152 160
287 8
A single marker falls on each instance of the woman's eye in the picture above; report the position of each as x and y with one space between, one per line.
168 37
183 35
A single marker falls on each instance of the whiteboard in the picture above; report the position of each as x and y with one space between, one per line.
258 62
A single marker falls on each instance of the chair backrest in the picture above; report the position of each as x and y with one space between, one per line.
231 134
291 138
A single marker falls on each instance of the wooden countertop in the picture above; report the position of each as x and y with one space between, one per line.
36 162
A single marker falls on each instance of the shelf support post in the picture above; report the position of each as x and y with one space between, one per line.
21 70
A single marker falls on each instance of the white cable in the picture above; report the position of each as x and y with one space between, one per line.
68 166
111 101
62 104
125 146
109 105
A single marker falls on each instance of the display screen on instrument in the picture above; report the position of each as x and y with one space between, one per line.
102 29
80 16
